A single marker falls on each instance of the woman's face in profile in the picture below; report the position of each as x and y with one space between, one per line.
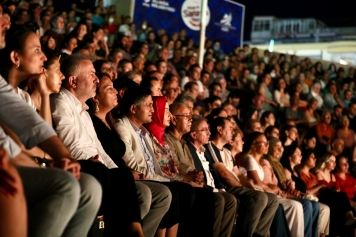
32 58
54 76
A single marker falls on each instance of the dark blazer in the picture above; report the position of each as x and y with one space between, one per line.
199 166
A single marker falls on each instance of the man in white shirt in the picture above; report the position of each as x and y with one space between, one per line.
194 75
210 202
75 128
74 196
257 208
225 215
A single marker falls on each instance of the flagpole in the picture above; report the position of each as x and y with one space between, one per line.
203 8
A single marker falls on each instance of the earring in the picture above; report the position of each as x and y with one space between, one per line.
96 106
18 65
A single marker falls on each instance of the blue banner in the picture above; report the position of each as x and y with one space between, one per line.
225 19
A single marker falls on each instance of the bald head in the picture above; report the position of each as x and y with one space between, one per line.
182 118
176 108
338 145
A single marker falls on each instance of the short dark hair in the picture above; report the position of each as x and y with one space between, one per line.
211 86
192 67
98 64
182 98
265 115
146 82
123 62
269 130
124 84
195 123
189 85
134 96
160 61
71 64
214 124
51 56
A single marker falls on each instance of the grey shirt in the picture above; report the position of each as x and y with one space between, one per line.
8 144
21 118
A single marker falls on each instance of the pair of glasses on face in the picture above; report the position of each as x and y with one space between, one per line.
203 130
188 116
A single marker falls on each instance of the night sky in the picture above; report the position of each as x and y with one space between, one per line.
333 13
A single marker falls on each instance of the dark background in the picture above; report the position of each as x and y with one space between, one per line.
336 13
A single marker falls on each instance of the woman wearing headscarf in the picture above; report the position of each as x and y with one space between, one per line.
184 196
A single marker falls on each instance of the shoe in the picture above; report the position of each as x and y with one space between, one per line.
350 222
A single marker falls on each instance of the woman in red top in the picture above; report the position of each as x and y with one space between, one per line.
340 209
346 181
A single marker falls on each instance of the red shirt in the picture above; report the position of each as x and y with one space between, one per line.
347 185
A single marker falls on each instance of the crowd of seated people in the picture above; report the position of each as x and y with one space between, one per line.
103 120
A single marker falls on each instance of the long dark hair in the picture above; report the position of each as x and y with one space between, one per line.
15 41
249 142
109 118
288 152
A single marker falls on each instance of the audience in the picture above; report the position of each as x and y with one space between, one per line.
258 207
68 108
198 137
256 145
141 164
67 201
340 211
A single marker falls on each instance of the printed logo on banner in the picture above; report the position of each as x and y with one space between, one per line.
191 14
225 23
159 4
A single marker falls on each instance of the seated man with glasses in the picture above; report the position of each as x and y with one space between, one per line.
224 205
139 108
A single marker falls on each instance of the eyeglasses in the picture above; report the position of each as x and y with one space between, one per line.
203 130
188 116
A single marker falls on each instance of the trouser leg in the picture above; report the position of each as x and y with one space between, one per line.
229 213
267 214
324 219
256 211
52 197
308 213
89 203
279 227
294 215
161 200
